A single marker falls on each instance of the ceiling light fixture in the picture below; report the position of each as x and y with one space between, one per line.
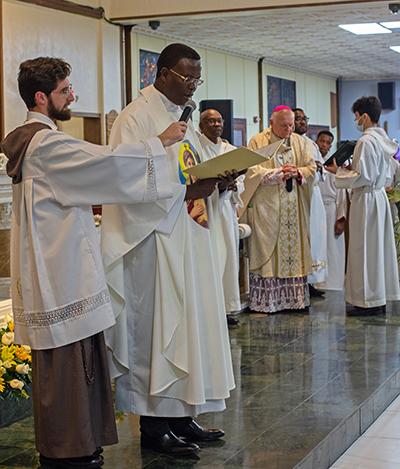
391 24
365 28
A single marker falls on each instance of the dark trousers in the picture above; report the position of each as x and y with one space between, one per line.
159 426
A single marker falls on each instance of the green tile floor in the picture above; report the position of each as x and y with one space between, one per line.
298 376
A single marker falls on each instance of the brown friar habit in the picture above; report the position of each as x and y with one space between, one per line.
72 400
14 146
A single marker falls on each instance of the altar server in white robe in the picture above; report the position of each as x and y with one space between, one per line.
335 208
372 276
212 126
170 349
61 303
317 211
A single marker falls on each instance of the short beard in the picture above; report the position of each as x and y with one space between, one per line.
56 114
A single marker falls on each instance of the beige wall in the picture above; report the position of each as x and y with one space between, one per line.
231 77
225 77
93 49
90 46
312 94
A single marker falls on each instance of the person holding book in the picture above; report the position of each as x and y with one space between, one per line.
372 275
212 126
335 209
170 351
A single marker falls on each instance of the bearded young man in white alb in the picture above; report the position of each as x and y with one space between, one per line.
60 299
212 126
372 274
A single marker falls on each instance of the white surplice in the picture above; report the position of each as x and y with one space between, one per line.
229 225
317 221
335 209
59 290
170 345
372 276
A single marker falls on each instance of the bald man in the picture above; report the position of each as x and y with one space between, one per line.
212 126
280 191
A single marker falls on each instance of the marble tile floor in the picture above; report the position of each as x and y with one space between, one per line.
306 385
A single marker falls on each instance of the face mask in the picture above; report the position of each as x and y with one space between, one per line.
359 127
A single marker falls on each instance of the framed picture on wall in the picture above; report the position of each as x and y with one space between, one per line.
148 67
280 91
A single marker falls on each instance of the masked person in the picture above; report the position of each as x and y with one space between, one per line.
372 276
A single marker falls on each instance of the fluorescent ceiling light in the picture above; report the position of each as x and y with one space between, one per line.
365 28
391 24
395 48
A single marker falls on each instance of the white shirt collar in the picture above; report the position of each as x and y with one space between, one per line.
33 116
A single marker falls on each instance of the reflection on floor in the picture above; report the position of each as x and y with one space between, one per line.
300 382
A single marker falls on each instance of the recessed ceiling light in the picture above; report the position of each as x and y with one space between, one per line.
395 48
365 28
391 24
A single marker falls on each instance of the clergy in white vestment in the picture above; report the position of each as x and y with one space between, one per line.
277 196
372 275
169 349
392 182
60 300
335 209
317 211
212 126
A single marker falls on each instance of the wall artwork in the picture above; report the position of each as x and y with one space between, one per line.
280 92
148 67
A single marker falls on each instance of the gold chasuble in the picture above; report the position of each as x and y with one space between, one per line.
280 241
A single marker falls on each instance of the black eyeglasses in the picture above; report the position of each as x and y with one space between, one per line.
299 119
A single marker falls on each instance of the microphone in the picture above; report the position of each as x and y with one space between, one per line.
190 106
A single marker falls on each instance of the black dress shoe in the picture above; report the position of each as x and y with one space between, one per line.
86 462
357 311
169 444
232 321
314 292
194 432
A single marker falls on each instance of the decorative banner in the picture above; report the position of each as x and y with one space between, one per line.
280 92
148 67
